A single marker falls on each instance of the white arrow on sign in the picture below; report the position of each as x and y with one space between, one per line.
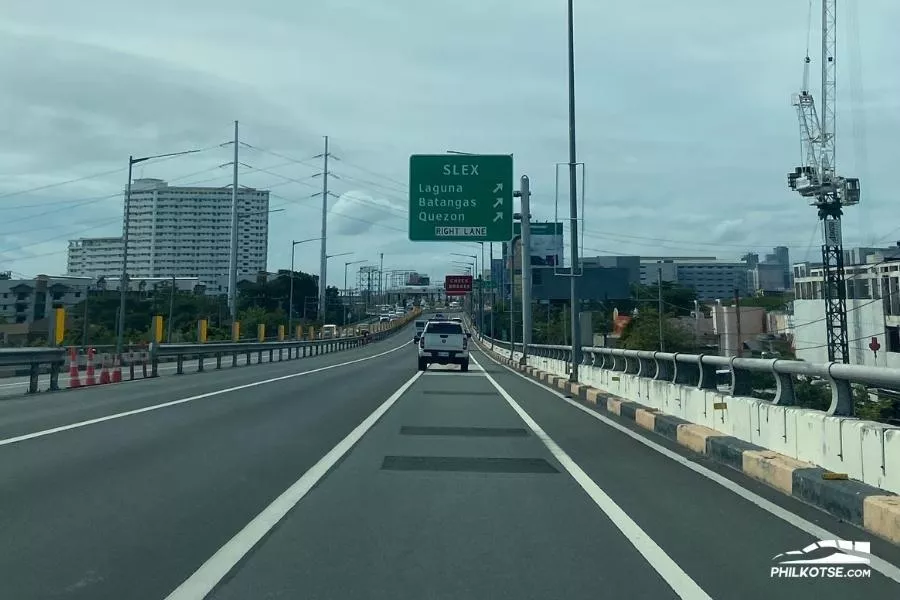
498 216
498 188
498 202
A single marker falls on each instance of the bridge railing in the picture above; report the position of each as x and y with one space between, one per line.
35 359
703 371
287 350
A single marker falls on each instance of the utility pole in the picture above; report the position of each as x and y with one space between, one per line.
84 318
323 259
525 192
172 311
233 263
573 206
696 325
493 291
512 294
381 279
659 302
737 320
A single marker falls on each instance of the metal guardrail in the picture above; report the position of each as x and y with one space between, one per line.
699 370
34 359
295 349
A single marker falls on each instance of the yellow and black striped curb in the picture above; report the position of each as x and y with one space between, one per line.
874 509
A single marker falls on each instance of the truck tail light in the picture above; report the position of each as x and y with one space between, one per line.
465 343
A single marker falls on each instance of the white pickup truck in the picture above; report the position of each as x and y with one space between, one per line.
444 343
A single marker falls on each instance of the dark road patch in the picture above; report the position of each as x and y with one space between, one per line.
457 393
467 464
465 431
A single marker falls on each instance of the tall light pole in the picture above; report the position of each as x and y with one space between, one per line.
323 287
573 206
291 298
123 281
347 264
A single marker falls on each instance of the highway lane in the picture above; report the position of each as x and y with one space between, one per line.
547 503
372 481
31 413
127 508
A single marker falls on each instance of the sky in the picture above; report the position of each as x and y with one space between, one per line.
683 117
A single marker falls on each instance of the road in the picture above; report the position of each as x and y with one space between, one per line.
351 475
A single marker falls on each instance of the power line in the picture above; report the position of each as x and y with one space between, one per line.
284 156
91 176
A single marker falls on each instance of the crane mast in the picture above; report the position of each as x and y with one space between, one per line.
817 180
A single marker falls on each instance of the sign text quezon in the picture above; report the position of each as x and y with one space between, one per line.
457 285
460 197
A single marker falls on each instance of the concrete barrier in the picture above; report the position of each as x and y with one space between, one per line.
844 466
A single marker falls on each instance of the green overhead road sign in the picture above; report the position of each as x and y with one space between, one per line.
460 198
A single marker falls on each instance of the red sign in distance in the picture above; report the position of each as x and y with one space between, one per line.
457 285
874 346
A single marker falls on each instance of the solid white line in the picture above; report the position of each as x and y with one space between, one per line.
137 411
204 579
882 566
662 563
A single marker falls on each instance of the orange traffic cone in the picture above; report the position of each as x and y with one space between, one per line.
74 377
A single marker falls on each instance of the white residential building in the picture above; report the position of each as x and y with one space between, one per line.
712 279
873 311
186 232
95 257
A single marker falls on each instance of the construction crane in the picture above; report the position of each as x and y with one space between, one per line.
817 180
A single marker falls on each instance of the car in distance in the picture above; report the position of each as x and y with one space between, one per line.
443 343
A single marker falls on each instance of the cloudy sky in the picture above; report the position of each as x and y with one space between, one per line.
683 114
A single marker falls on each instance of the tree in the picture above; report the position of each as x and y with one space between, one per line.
677 300
642 333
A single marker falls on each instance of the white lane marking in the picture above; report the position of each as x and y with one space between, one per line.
820 533
217 567
661 562
137 411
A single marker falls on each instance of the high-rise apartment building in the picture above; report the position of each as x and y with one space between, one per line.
186 232
95 257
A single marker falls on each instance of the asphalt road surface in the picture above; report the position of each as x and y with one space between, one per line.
351 475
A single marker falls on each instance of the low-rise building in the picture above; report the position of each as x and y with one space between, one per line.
873 312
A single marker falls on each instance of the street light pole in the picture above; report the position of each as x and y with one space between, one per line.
323 297
291 299
573 206
123 282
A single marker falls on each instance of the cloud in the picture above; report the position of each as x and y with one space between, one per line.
684 120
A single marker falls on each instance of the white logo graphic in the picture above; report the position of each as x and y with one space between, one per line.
828 558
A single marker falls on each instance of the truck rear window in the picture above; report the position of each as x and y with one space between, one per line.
420 324
443 328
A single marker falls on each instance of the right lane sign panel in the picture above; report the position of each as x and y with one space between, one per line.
460 198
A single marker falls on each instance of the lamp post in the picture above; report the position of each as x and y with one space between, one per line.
347 264
323 287
291 294
123 282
